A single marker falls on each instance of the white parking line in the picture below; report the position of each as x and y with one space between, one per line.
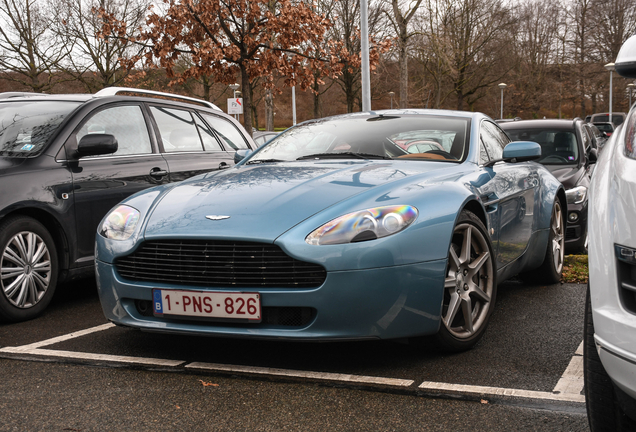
499 391
571 381
25 348
568 389
302 374
95 357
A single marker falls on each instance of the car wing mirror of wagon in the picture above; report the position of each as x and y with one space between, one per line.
625 63
240 155
97 144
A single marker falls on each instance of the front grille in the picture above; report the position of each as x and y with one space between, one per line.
216 263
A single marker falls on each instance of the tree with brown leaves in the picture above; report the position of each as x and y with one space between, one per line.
226 38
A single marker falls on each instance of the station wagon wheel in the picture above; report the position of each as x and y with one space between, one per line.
28 268
469 287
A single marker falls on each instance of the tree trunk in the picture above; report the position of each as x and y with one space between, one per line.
404 69
247 100
316 95
269 111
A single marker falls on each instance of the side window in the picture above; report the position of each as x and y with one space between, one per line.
494 139
210 143
126 123
586 138
177 129
230 136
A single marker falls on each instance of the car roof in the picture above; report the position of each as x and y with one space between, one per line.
540 124
121 92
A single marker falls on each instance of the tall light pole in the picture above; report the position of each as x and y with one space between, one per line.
364 54
234 88
391 94
610 67
630 86
502 86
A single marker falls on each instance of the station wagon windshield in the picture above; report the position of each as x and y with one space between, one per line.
25 127
371 137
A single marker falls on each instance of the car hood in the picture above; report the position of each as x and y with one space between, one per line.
9 164
569 176
260 202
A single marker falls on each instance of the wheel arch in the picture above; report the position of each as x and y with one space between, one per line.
56 230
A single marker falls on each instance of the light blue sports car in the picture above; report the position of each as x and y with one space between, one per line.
334 231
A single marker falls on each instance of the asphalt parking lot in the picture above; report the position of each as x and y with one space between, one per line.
529 359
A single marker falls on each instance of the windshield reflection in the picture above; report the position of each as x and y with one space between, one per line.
371 137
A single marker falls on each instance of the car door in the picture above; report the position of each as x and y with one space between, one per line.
189 145
100 182
512 191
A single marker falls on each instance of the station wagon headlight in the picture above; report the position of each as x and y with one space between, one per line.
576 195
120 223
364 225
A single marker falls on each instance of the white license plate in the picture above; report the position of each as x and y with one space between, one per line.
203 304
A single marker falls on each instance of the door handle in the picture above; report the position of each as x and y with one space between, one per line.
158 172
223 165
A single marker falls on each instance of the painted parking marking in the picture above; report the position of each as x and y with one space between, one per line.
302 374
571 381
500 391
568 389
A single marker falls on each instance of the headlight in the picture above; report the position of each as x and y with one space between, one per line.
364 225
120 223
576 195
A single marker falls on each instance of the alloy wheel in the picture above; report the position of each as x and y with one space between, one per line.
558 237
25 269
469 283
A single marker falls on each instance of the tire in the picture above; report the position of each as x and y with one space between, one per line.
601 399
470 287
552 267
28 268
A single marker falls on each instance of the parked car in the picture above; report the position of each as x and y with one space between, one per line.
617 118
596 136
332 231
261 137
610 310
566 150
66 160
606 127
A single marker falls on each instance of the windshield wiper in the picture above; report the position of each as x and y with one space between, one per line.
258 161
343 155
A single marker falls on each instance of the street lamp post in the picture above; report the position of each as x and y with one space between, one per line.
610 67
502 86
234 88
391 94
630 86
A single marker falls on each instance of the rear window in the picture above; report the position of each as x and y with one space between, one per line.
25 127
558 147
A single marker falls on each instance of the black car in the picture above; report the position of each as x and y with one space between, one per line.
566 150
66 160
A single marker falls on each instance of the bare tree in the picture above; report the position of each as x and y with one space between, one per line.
95 61
400 21
30 53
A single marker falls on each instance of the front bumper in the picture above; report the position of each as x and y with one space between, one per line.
576 232
383 303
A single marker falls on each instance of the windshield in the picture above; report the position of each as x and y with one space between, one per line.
375 137
25 127
558 147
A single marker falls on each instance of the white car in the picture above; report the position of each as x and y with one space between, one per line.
610 316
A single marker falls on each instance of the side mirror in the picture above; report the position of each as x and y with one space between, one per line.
625 63
97 144
521 151
241 154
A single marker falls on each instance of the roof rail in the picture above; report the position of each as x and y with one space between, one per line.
112 91
9 95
